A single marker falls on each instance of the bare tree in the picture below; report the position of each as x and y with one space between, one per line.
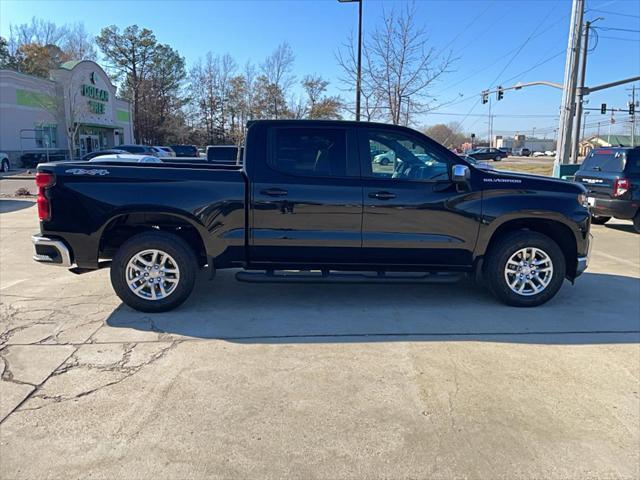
70 113
398 68
277 68
72 39
78 44
371 107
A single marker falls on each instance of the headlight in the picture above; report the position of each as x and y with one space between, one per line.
582 200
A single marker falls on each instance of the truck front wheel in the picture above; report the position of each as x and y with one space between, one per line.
525 269
154 271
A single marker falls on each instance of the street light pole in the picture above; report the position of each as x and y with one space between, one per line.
359 67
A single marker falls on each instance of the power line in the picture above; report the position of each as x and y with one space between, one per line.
619 29
518 50
609 12
491 64
620 38
504 115
540 63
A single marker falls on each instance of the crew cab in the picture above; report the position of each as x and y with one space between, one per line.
309 197
612 178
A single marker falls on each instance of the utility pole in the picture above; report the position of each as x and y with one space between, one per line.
633 117
575 139
489 122
565 128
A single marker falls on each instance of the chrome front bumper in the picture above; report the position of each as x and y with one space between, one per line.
583 261
53 252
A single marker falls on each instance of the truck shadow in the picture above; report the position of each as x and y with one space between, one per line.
7 206
600 308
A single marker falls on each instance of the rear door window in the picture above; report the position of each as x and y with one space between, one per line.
310 152
604 161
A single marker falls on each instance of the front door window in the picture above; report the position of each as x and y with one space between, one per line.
397 156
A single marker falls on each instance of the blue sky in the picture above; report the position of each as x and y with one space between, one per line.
484 34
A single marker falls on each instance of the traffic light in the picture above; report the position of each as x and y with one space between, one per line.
485 96
500 93
603 108
632 109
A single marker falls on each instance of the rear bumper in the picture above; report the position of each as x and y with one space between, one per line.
51 251
609 207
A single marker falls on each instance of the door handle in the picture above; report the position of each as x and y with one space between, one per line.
382 195
274 192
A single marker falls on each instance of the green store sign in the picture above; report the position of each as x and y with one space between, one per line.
96 107
96 96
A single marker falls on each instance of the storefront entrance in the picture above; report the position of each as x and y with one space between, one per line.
89 143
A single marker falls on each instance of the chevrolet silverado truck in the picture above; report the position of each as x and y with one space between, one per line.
310 203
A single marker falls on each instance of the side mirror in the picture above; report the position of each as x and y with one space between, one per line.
460 174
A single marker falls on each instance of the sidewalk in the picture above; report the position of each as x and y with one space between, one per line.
18 174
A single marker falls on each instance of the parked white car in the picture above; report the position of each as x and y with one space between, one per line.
538 154
129 158
550 153
5 164
385 158
163 151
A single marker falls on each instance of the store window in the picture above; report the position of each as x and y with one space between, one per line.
47 136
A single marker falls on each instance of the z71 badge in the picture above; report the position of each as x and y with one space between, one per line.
82 171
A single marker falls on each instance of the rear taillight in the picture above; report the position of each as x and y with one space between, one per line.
43 181
621 186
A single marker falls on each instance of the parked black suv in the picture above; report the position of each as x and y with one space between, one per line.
612 177
185 150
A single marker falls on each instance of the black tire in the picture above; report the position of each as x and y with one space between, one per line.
174 246
508 245
596 220
636 222
5 166
384 161
497 159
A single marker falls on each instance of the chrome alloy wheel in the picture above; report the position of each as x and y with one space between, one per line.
152 274
528 271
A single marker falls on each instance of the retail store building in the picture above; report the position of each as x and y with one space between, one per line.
76 106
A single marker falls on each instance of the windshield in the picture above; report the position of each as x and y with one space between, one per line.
604 161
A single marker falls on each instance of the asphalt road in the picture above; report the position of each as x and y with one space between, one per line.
317 381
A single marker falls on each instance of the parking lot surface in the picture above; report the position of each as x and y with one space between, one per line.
317 381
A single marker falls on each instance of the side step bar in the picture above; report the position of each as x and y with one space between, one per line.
295 276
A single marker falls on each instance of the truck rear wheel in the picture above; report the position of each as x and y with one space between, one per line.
525 269
154 271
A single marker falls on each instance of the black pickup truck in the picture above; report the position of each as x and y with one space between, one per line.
309 197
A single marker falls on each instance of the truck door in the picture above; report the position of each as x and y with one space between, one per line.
413 213
306 197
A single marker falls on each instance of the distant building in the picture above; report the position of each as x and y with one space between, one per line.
521 141
606 141
77 104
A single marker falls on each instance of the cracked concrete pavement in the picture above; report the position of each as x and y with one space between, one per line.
317 381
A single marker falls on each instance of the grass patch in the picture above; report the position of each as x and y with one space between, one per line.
535 168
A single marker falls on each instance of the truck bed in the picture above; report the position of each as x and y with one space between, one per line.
89 198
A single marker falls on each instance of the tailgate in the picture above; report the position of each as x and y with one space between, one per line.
598 184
